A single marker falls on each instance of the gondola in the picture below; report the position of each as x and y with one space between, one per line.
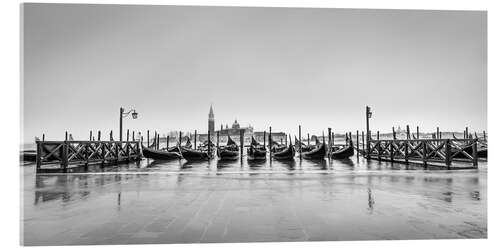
256 151
275 146
159 154
344 152
317 153
230 151
301 146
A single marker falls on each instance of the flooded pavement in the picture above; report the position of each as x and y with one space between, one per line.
191 202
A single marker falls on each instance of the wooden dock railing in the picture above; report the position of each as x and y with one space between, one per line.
439 152
66 153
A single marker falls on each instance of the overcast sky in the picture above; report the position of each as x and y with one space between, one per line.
277 67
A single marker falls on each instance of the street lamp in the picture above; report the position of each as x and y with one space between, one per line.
125 114
368 136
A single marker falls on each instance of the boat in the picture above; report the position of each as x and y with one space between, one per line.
301 146
230 151
318 152
286 154
159 154
256 151
343 153
275 146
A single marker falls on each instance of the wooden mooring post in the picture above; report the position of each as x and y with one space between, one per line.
363 141
300 142
270 144
195 135
357 143
308 140
242 142
209 147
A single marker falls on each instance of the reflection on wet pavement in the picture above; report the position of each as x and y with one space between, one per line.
187 202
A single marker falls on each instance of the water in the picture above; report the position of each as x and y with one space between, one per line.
189 202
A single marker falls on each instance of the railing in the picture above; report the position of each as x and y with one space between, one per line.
66 153
425 151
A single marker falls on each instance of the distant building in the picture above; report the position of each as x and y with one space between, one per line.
234 132
211 121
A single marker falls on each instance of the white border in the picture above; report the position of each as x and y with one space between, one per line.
10 125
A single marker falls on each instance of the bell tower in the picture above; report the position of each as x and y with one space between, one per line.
211 121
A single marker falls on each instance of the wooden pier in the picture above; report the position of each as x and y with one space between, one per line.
461 153
428 152
60 156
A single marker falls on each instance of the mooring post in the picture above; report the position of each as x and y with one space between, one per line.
158 141
363 142
329 141
180 138
99 135
39 155
378 135
474 154
408 132
90 135
270 144
418 133
300 142
393 134
43 137
447 151
438 133
242 143
147 137
64 157
127 151
133 135
217 140
424 153
154 140
406 142
307 139
484 135
195 134
209 148
378 147
466 134
111 135
357 143
391 148
168 140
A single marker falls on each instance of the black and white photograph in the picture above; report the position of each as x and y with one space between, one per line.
171 124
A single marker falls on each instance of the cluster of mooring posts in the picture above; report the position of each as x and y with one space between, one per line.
436 151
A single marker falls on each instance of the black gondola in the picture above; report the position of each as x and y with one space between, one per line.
343 153
230 151
159 154
303 147
256 151
317 153
285 154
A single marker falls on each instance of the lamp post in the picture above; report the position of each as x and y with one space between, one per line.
125 114
368 135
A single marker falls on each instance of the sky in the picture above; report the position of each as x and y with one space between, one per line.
279 67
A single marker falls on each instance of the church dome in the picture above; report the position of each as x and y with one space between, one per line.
236 125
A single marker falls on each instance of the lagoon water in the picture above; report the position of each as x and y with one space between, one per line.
191 202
